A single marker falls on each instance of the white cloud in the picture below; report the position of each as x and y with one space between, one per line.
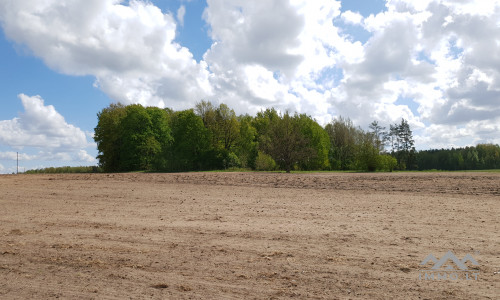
73 156
439 55
251 32
11 155
40 126
447 136
181 12
352 17
83 156
129 49
264 56
433 52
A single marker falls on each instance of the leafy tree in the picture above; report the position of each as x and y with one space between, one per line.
227 126
142 139
472 158
318 142
246 145
190 150
221 122
206 111
489 155
367 154
262 125
108 138
162 134
131 137
289 146
342 135
262 121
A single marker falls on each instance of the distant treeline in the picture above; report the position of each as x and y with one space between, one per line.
208 137
52 170
480 157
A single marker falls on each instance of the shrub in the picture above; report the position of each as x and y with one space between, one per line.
264 162
387 163
232 161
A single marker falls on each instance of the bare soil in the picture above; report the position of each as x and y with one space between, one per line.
247 235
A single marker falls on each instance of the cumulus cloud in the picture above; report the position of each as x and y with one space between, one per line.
433 62
130 49
350 17
437 55
276 53
83 156
41 127
251 32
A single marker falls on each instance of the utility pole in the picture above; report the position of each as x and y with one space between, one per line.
17 162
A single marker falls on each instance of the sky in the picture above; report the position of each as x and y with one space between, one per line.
435 63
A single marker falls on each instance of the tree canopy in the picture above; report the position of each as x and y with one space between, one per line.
208 137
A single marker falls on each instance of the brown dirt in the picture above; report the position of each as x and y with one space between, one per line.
246 235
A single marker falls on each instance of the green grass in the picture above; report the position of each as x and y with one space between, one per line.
487 171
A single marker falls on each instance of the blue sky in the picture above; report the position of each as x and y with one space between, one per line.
61 63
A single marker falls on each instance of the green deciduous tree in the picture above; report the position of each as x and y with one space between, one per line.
246 146
131 138
221 122
139 146
286 143
108 138
343 134
162 133
227 127
318 142
191 147
367 152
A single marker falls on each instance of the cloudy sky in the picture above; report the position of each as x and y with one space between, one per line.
435 63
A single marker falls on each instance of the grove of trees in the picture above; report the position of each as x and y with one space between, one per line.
480 157
208 137
66 169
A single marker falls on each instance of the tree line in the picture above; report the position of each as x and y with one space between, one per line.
480 157
65 169
209 137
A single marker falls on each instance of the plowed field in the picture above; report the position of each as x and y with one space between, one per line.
249 236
